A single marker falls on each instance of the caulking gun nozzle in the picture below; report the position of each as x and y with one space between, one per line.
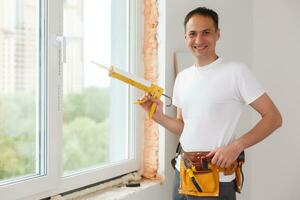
100 65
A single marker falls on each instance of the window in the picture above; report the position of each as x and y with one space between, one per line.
19 91
96 128
23 110
56 107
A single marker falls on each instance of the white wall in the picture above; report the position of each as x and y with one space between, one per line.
276 53
235 42
264 35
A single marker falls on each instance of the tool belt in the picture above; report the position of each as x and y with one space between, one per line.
198 177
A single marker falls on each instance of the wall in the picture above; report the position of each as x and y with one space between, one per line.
264 35
276 30
235 42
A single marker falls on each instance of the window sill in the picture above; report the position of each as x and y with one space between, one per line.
116 192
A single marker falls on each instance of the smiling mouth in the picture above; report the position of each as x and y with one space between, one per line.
200 47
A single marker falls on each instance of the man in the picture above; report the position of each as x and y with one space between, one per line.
210 96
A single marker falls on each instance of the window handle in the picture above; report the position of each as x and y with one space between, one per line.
62 50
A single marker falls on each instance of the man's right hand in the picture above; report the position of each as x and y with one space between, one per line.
146 105
175 125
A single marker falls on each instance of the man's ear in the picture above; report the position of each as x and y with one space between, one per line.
218 34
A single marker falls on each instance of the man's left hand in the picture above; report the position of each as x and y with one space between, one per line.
224 156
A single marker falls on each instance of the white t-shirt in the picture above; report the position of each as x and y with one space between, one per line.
212 98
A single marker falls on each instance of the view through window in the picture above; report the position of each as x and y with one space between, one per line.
95 127
19 89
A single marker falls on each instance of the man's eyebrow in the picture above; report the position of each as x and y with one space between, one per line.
207 29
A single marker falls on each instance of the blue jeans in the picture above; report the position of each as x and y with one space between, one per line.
227 191
176 184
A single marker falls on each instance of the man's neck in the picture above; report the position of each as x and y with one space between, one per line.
200 62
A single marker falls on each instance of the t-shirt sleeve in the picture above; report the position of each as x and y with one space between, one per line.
248 87
176 97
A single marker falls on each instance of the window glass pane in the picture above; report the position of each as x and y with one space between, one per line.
95 127
19 96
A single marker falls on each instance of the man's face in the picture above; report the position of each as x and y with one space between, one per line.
201 36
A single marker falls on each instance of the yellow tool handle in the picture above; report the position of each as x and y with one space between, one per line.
156 92
152 110
190 172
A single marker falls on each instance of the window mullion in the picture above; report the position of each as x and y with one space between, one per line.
54 69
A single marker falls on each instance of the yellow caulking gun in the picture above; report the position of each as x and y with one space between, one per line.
154 90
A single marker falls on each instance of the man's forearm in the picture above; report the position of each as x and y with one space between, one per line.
172 124
262 129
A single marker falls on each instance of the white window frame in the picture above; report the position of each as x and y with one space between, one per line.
53 183
49 181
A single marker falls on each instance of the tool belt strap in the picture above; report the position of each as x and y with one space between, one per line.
200 162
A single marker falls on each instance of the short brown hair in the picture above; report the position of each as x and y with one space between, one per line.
203 11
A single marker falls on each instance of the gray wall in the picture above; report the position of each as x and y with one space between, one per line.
262 34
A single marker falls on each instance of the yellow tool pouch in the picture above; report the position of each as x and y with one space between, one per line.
199 183
198 177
